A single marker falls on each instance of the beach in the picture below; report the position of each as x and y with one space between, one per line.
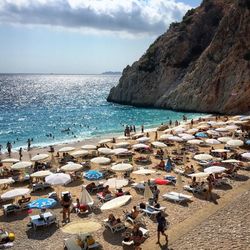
226 214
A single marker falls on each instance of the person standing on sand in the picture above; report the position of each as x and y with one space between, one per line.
142 128
210 181
29 143
9 147
20 154
1 149
66 203
161 227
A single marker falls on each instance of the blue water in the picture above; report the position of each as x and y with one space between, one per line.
33 106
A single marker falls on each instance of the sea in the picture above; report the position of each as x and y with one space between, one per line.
52 109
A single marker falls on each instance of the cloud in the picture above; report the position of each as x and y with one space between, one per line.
149 17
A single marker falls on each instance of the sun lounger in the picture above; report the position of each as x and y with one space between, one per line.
108 197
40 186
45 219
189 197
150 212
177 197
114 228
11 208
157 209
138 186
53 195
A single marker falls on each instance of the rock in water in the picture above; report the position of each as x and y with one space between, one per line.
201 64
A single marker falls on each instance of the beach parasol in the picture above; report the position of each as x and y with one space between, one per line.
192 130
58 179
222 129
143 139
201 135
89 147
140 145
199 175
179 130
187 137
122 144
212 141
116 183
42 173
79 153
85 197
195 141
203 157
100 160
205 127
143 171
10 160
235 143
66 149
6 181
105 151
71 167
231 127
213 132
244 118
122 167
231 161
246 155
122 137
158 144
147 192
42 203
224 139
214 169
40 157
165 136
81 227
118 151
116 202
15 193
21 165
105 141
220 150
175 138
93 175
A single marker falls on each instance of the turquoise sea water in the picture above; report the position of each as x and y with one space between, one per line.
34 106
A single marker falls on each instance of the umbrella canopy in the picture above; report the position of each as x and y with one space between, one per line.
143 171
143 139
140 145
122 144
222 129
165 136
81 227
42 173
71 167
214 169
93 175
235 143
175 138
122 137
42 203
21 165
194 141
213 132
105 151
85 197
6 181
40 157
15 193
231 127
10 160
201 134
122 167
246 155
100 160
105 141
158 144
199 175
212 141
188 137
58 179
88 147
179 130
79 153
118 151
66 149
203 157
116 202
116 183
203 127
224 139
231 161
192 130
220 150
147 192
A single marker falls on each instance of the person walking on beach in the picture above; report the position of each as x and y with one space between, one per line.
142 128
1 149
134 128
161 227
29 143
66 203
20 154
9 147
156 135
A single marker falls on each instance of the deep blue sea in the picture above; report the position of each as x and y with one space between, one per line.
35 106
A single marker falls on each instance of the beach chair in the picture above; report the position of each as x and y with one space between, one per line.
176 197
107 197
11 208
161 209
114 228
53 195
140 187
194 190
150 212
139 219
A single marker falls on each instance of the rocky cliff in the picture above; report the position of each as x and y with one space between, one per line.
201 64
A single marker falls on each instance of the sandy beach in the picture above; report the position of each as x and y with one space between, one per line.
225 216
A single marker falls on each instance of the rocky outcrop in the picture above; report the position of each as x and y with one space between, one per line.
201 64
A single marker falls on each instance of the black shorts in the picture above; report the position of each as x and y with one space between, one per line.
161 229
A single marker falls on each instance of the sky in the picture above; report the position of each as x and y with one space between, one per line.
81 36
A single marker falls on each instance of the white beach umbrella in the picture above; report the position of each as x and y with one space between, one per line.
217 124
42 173
100 160
71 167
158 144
212 141
214 169
139 145
143 139
40 157
175 138
205 127
240 122
66 149
10 160
105 141
143 171
85 197
179 130
246 155
79 153
231 127
192 130
6 181
220 150
122 144
105 151
230 161
116 183
122 167
15 193
58 179
88 147
188 137
222 129
165 136
21 165
195 141
213 132
224 139
118 151
147 192
235 143
123 137
116 202
199 175
203 157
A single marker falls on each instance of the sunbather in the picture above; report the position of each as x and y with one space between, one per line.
112 220
134 213
161 165
137 237
106 191
194 182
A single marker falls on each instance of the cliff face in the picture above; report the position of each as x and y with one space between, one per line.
201 64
